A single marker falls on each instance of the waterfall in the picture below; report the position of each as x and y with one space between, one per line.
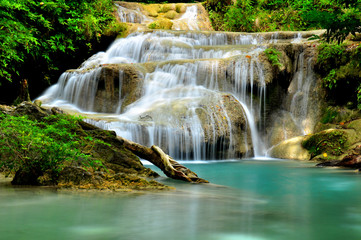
131 16
197 95
188 19
299 89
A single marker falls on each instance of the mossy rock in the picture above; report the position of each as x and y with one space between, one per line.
171 14
356 125
168 7
161 24
180 8
336 115
153 9
329 142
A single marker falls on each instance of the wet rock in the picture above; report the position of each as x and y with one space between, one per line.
334 144
168 7
78 178
27 176
171 14
302 95
328 164
290 149
6 109
161 24
56 110
75 175
30 109
181 8
351 160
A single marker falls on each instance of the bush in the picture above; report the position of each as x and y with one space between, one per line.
339 21
340 69
42 146
39 38
273 56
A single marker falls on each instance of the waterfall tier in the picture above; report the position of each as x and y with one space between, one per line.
196 94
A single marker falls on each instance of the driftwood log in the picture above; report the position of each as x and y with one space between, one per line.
169 166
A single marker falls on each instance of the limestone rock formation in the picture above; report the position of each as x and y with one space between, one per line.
290 149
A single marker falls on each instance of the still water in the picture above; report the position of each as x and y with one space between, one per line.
247 200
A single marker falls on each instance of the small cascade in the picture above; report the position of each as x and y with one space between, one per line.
302 81
131 16
299 111
188 20
197 95
297 38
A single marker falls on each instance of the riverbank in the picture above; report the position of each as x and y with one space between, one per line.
49 148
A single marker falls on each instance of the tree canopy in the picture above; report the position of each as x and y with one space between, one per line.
37 37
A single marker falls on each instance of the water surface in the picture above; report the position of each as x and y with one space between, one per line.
247 199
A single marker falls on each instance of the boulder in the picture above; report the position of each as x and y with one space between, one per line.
290 149
351 160
162 23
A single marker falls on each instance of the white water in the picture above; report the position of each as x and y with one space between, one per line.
182 106
300 86
131 16
188 20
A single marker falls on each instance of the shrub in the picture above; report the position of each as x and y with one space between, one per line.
39 38
340 69
42 146
273 56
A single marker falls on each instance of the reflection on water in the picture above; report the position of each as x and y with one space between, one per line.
247 200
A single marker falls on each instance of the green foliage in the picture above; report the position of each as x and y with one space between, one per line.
339 22
273 56
329 115
161 24
338 17
161 1
331 142
340 68
330 56
358 91
39 37
41 146
239 17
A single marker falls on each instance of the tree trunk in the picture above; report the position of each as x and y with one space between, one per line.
169 166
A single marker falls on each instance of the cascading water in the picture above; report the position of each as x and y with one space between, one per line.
197 95
303 79
130 15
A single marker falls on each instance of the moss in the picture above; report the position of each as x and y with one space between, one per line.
356 125
168 7
161 24
337 115
152 9
104 181
330 141
171 14
180 8
329 115
117 28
